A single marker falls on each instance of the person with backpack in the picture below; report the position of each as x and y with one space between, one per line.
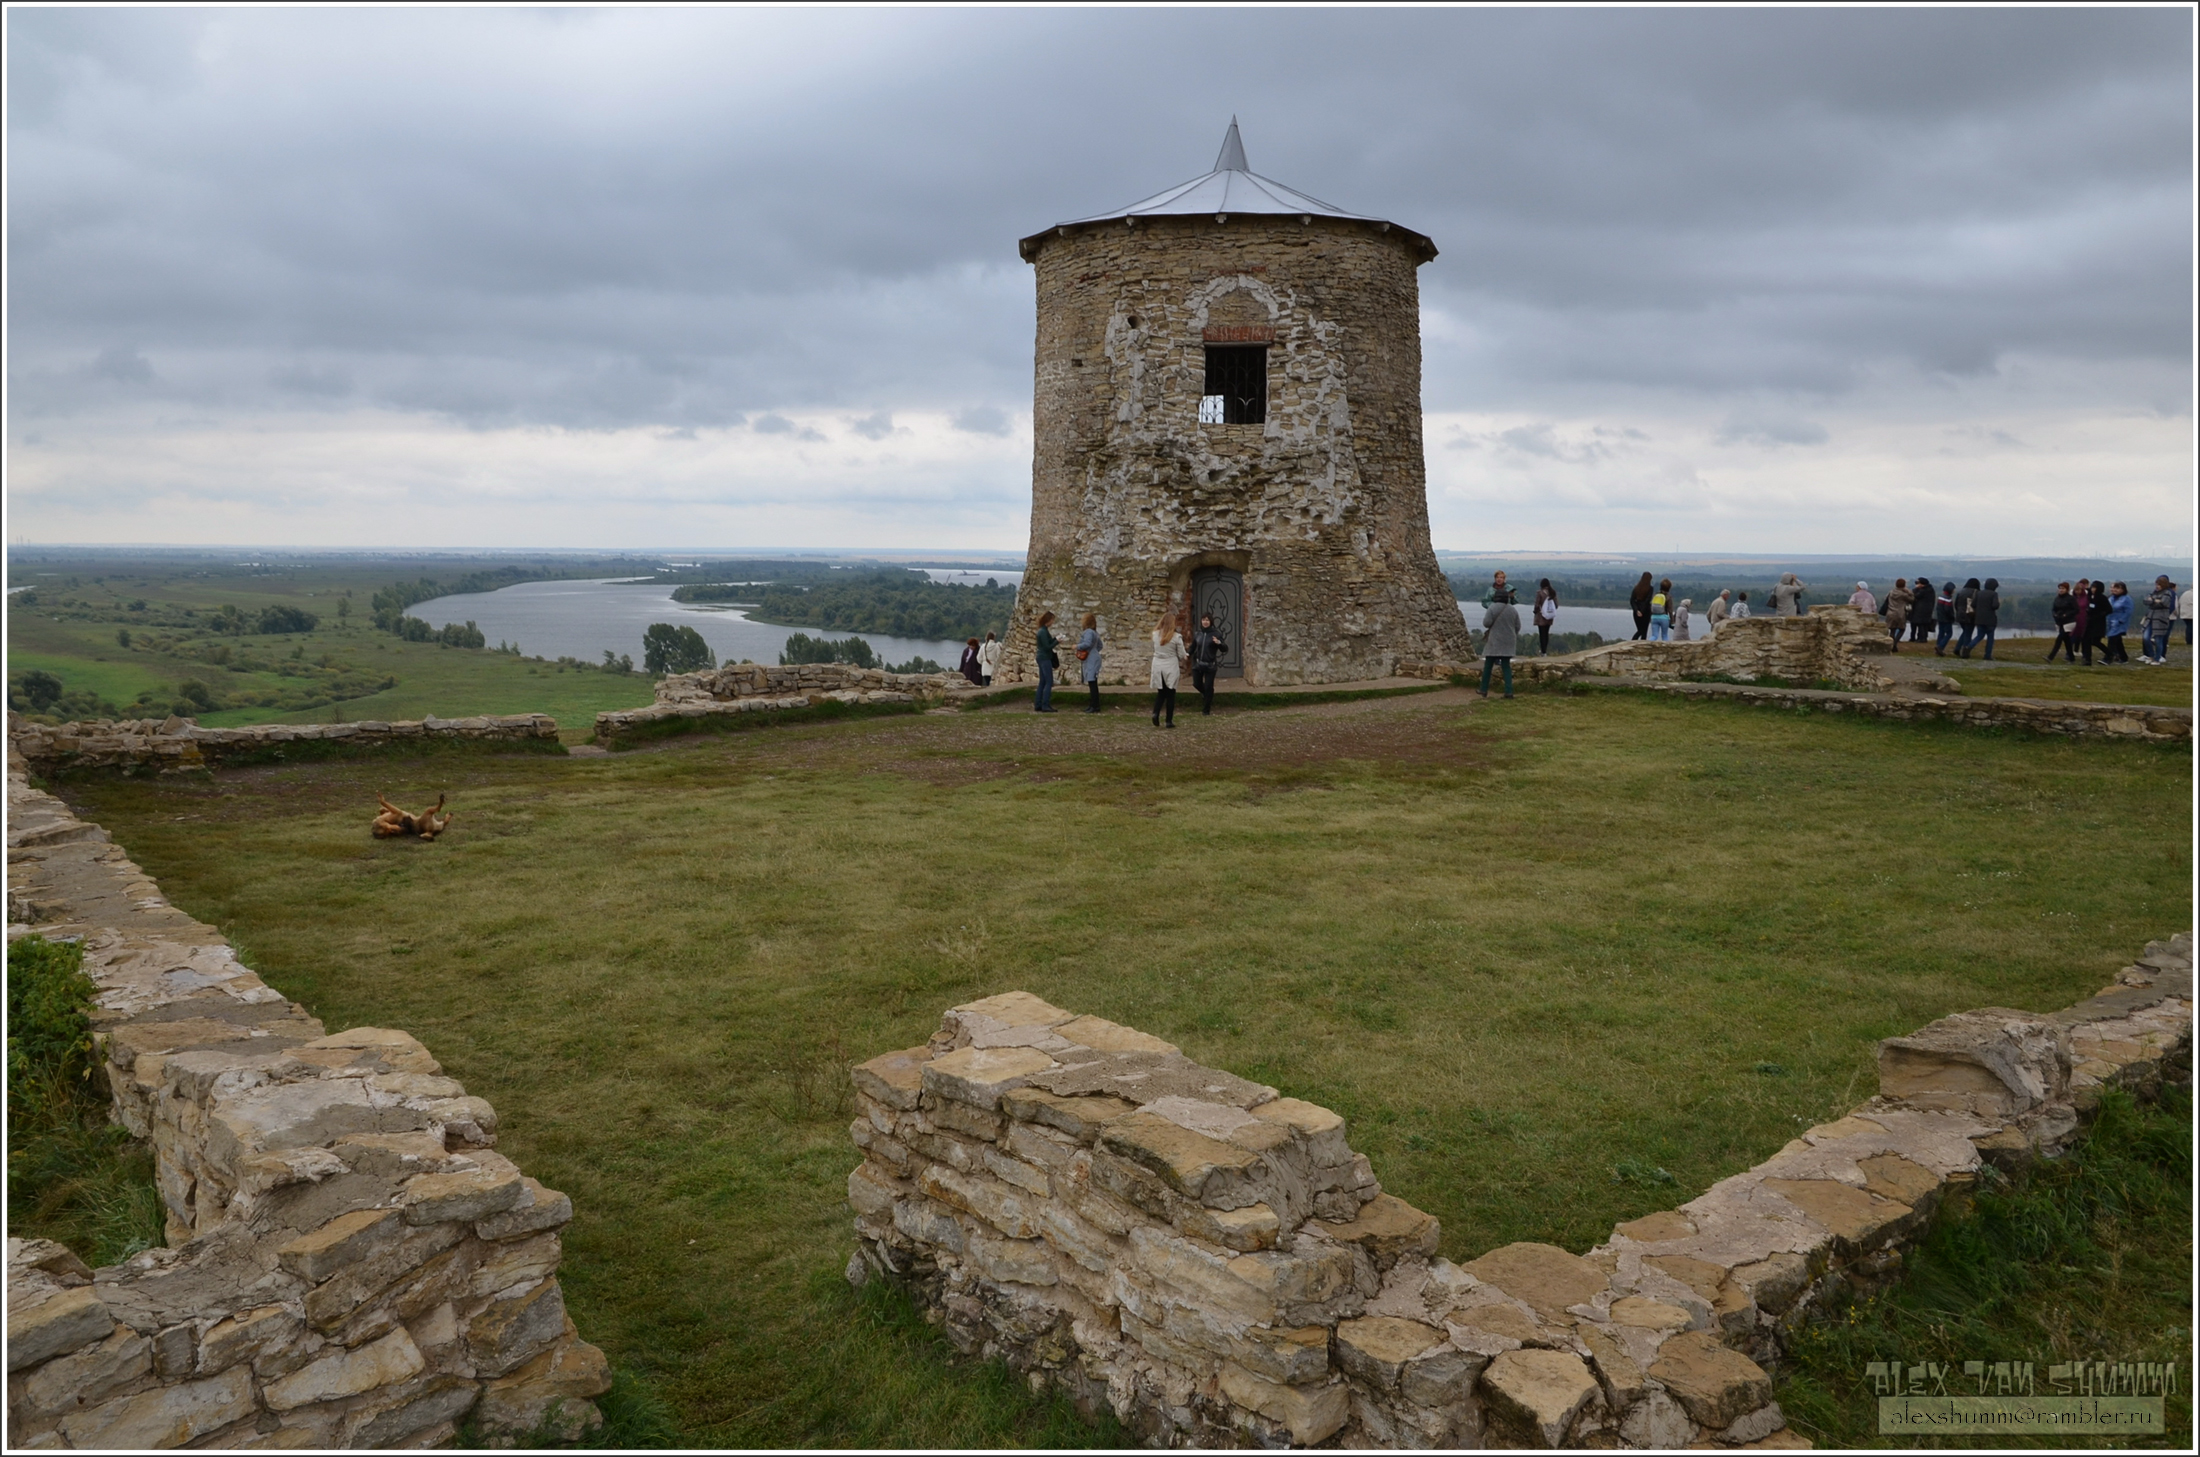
1967 616
1088 659
1208 651
1787 597
1638 602
1899 603
1986 614
2063 611
1043 701
1500 639
1944 619
1661 612
1545 613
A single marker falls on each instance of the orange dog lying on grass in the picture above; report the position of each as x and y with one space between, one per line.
427 824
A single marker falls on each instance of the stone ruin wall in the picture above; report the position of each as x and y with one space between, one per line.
1323 510
1829 644
761 688
351 1263
180 743
1212 1262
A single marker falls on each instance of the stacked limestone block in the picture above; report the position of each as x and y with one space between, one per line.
2140 722
1215 1264
1829 644
350 1263
179 743
759 688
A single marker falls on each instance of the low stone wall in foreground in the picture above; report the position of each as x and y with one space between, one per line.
351 1263
180 743
1210 1260
760 688
2033 715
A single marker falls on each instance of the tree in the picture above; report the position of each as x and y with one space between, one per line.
284 618
667 649
42 690
343 607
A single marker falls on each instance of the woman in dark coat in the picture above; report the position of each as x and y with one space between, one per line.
1921 608
969 668
1986 609
2095 628
1639 602
1944 619
2064 611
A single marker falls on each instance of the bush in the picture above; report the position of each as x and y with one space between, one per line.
915 665
37 691
285 619
668 649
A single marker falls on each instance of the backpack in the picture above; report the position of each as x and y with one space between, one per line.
1657 603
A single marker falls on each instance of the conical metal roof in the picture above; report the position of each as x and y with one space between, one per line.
1233 187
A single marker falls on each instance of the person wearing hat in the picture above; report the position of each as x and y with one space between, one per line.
1863 600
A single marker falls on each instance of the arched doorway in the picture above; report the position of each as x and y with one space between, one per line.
1219 593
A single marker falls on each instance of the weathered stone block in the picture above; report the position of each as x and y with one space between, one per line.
1311 1413
347 1372
89 1376
1540 1393
1008 1210
64 1321
977 1076
512 1330
1544 1276
1185 1161
1390 1229
539 1209
1993 1062
465 1197
1376 1349
166 1416
1714 1384
568 1377
342 1241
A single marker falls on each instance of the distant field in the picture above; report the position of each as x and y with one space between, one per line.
76 642
1560 961
2170 687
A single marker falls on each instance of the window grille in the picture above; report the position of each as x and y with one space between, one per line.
1237 381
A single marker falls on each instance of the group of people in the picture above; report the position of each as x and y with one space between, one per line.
981 660
2089 616
1915 607
1204 653
1661 616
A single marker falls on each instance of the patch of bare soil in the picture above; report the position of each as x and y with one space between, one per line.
1426 730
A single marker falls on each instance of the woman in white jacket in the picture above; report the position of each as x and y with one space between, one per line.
989 658
1168 666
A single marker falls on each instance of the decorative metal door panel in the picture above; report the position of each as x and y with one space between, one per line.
1219 593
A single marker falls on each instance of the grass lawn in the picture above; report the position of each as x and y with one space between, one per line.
2171 686
1560 961
2085 1259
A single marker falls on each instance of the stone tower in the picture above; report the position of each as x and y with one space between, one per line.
1227 419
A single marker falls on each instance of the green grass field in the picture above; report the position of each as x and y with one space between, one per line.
1560 961
2170 686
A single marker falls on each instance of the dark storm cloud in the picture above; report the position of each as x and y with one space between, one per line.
693 218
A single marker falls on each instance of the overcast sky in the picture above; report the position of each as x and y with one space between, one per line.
1786 281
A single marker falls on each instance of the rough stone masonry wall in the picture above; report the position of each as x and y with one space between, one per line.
179 743
1211 1260
350 1262
762 688
1323 509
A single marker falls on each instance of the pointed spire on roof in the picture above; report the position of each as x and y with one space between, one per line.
1233 151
